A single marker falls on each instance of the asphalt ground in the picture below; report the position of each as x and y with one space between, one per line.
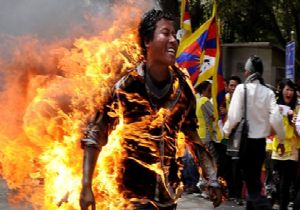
187 202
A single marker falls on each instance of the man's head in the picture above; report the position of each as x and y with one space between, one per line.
253 65
157 36
204 89
233 81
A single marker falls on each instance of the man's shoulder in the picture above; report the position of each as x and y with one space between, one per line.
266 89
132 78
262 89
239 88
184 76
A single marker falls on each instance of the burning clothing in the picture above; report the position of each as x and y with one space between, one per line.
152 121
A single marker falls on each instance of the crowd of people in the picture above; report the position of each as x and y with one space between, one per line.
265 174
158 91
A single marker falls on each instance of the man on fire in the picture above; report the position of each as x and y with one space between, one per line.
157 100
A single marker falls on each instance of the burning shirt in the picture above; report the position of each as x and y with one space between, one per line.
151 153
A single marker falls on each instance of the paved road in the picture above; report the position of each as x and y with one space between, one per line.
187 202
195 202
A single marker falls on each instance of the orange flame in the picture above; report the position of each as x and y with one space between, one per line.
50 91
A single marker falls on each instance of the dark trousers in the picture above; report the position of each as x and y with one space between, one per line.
287 170
297 199
297 202
190 174
252 156
237 179
229 169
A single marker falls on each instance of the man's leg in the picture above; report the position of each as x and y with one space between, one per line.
252 164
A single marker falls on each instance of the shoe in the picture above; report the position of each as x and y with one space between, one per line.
204 195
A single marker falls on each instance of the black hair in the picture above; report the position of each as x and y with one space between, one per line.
202 86
147 26
257 64
235 78
291 84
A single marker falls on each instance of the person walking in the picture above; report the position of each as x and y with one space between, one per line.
155 102
262 115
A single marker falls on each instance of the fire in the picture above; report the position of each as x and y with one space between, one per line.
50 91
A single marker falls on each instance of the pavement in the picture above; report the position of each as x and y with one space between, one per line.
196 202
187 202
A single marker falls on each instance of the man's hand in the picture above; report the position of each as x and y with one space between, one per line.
215 195
87 199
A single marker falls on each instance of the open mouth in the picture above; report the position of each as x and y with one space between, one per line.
172 51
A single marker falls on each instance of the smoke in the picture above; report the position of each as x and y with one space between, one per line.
36 34
42 44
44 18
56 18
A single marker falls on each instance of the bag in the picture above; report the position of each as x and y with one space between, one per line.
237 137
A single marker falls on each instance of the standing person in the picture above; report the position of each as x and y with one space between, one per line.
156 103
232 171
286 164
231 84
205 112
205 116
235 184
262 114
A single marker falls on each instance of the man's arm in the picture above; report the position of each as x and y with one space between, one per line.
95 138
204 158
207 164
235 111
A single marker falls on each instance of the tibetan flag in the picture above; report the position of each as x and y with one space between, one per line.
218 91
198 51
200 54
185 21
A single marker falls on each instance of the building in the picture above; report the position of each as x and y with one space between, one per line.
235 55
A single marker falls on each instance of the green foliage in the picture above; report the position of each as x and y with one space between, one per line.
250 20
260 20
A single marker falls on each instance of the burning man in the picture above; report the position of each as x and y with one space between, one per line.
156 102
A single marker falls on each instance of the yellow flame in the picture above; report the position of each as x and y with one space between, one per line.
53 91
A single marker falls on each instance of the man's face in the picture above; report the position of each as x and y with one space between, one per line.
163 47
231 86
207 91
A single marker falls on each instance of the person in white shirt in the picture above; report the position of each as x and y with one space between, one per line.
262 115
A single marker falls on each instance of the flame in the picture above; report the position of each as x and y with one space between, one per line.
49 92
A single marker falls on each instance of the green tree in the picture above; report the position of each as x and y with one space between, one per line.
249 20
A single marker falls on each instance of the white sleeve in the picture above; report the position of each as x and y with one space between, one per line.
276 118
236 108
